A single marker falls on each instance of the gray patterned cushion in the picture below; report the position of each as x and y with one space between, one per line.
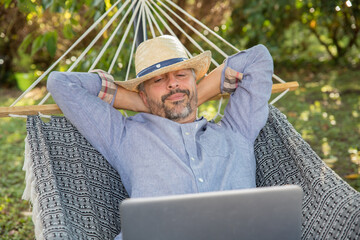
76 193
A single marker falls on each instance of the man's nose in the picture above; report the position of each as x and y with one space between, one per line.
173 83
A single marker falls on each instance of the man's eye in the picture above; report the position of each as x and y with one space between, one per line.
157 80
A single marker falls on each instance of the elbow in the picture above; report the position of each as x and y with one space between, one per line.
264 53
54 80
265 57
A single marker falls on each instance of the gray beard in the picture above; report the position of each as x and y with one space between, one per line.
157 108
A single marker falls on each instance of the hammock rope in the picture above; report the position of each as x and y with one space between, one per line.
194 30
133 43
104 48
202 25
148 17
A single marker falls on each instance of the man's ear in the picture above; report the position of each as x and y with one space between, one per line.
142 94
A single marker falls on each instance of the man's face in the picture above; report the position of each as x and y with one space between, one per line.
172 95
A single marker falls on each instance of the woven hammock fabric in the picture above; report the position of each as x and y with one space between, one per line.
76 193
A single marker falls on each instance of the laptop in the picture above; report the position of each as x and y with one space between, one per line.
259 213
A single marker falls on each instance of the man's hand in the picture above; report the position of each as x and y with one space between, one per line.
209 86
129 100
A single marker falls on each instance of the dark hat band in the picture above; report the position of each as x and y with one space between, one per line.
159 65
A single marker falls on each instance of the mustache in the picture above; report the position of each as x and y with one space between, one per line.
185 91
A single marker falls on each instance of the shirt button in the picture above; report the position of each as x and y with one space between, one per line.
192 159
187 133
201 180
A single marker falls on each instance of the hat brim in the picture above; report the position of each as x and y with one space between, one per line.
199 63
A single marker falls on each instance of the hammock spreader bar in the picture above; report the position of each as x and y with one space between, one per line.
54 109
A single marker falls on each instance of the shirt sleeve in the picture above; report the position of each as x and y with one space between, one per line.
108 87
247 75
77 96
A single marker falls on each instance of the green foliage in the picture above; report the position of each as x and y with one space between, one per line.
47 40
334 25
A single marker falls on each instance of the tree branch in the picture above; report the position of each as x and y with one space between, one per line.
322 43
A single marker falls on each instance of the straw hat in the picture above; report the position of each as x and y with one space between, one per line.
162 55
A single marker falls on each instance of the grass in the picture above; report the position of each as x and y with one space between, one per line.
325 110
15 213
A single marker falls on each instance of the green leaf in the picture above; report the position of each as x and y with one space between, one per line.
37 45
26 6
74 21
50 42
68 32
25 43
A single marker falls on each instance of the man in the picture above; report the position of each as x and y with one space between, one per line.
165 150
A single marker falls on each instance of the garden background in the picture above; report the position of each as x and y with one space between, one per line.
314 42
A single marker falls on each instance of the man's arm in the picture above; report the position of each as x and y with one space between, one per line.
210 85
129 100
247 110
79 97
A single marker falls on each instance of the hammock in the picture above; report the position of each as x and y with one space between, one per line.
76 193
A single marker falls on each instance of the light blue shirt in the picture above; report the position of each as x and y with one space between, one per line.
156 156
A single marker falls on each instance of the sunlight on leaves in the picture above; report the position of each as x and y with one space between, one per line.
326 149
209 112
355 158
305 116
316 107
354 155
327 88
307 134
355 114
332 120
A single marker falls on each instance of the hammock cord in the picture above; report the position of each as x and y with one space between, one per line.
147 11
133 43
124 38
181 30
195 31
110 39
